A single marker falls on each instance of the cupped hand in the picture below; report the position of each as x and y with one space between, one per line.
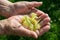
23 7
14 27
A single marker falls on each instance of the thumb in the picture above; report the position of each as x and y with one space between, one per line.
33 4
26 32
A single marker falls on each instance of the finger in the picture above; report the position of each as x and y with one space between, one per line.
44 29
38 12
37 31
45 21
33 4
27 32
45 24
43 16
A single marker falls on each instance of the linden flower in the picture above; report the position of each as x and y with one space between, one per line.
30 22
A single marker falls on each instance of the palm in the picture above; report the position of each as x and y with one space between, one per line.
15 27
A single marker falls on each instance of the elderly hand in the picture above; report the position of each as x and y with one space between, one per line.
13 23
14 26
8 9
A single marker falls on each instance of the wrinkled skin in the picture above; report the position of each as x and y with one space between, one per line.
14 27
9 9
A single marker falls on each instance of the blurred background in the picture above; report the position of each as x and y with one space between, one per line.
52 8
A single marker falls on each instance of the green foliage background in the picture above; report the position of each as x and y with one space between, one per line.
52 7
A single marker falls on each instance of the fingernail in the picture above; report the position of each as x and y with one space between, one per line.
41 2
37 32
34 35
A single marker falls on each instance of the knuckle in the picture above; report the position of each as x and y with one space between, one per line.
46 15
47 19
41 12
48 23
48 27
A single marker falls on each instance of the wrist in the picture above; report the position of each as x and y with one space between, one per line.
6 8
3 24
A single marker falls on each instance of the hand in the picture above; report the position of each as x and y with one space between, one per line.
44 21
25 7
9 9
14 27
